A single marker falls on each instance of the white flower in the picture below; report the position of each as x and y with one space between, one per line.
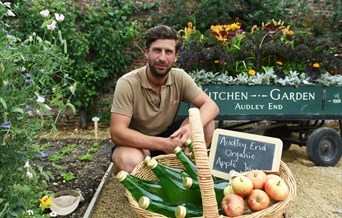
7 4
44 13
30 212
53 214
72 89
29 175
41 99
27 164
52 26
10 13
59 17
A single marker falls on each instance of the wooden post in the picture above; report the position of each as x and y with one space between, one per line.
95 120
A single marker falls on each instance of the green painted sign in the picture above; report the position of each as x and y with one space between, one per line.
275 100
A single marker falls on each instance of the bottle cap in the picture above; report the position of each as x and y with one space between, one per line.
144 202
147 159
187 182
187 142
180 212
177 149
152 163
121 176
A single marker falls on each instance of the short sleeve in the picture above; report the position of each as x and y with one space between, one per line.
123 98
190 89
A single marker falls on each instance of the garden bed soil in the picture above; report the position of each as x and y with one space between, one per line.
88 173
319 189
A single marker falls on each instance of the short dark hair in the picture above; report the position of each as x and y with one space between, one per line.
162 32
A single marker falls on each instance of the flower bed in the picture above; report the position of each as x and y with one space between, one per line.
271 53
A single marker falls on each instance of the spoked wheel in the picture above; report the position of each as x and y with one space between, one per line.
324 147
281 133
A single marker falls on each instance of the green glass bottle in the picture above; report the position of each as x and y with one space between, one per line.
219 187
171 181
168 209
183 211
189 165
177 172
138 187
156 206
188 143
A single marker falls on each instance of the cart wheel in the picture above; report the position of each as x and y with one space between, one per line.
280 132
324 147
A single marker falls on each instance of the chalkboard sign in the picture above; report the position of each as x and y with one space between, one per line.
232 150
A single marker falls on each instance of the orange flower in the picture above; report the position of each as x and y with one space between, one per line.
287 31
316 65
251 72
279 63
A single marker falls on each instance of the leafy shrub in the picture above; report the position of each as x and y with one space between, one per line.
99 38
34 82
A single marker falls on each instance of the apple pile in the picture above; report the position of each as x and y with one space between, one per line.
254 190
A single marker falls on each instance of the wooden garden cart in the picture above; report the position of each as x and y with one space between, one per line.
296 115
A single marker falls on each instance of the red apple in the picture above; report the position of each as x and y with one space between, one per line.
233 205
228 190
242 185
258 178
276 189
258 200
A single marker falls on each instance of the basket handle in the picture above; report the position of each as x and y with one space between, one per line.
205 180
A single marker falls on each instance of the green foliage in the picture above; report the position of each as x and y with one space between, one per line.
55 157
86 157
93 149
58 167
46 145
248 12
68 149
98 38
178 13
102 111
68 176
34 82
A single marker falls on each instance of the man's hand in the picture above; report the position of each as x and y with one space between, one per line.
171 144
183 133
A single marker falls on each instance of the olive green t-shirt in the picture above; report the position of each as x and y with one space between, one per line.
151 114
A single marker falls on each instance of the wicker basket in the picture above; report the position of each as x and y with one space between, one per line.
210 209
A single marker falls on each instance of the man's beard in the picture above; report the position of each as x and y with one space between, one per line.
155 72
